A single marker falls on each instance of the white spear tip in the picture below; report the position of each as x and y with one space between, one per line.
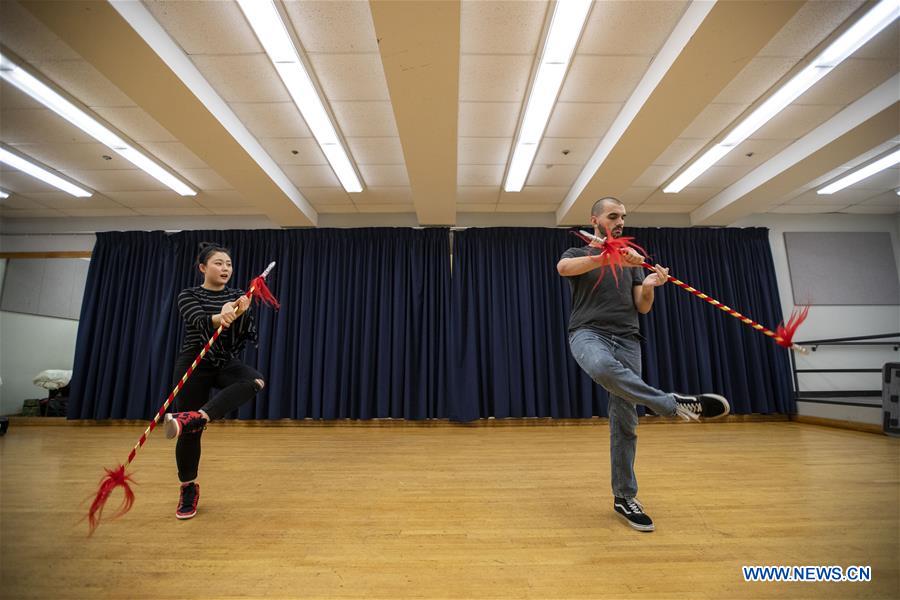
592 236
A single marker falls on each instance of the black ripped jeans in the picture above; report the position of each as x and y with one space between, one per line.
236 383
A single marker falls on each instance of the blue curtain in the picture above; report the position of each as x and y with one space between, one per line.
125 345
363 334
372 326
510 355
510 310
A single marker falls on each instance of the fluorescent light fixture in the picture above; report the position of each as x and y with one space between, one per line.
4 194
27 166
885 162
881 15
272 33
32 86
566 24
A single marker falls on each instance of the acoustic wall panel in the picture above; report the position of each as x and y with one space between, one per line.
842 268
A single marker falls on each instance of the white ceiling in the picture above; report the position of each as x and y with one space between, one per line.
498 46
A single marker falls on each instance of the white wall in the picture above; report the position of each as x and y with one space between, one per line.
30 344
827 322
90 225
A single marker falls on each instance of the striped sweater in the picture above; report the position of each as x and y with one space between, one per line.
197 306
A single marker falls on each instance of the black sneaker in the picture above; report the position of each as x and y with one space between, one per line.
187 500
707 406
633 511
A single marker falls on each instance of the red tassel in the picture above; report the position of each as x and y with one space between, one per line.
612 248
261 292
111 481
786 332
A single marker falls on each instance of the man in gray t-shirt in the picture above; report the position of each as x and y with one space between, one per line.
606 305
604 338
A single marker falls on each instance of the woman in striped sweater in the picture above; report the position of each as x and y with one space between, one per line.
204 308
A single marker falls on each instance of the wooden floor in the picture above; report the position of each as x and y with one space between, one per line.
451 512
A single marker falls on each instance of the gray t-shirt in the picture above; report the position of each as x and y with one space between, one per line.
607 308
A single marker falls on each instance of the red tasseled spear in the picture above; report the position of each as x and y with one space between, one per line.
613 252
117 477
614 247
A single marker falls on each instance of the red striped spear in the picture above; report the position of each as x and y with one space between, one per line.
784 333
117 477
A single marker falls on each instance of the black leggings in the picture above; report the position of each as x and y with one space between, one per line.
236 383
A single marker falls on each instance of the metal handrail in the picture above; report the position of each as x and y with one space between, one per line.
846 341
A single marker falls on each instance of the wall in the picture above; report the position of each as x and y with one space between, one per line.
827 322
30 344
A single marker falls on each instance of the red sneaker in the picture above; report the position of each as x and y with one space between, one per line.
184 422
187 501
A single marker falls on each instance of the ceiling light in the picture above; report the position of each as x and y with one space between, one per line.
272 33
26 165
565 29
885 162
41 92
881 15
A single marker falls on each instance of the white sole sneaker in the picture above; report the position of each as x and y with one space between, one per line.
689 413
639 527
724 402
622 505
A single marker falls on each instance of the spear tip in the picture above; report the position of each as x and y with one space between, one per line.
591 236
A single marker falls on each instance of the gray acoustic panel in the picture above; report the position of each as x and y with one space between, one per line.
842 268
50 287
22 285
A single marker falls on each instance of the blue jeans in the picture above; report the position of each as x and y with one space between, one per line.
615 363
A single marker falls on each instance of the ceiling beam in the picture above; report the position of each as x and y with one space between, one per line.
716 52
867 123
419 45
100 34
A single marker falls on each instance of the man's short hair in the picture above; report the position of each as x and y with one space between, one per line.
597 209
